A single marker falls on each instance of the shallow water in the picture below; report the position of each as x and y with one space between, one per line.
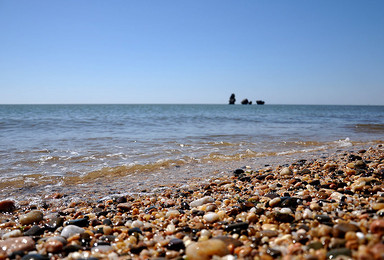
66 144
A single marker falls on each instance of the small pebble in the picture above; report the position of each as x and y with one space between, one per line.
211 217
205 250
34 216
71 230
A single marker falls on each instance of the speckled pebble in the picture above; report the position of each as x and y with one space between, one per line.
11 245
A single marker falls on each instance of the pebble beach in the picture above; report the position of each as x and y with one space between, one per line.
317 208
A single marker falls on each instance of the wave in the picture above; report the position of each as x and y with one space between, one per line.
369 128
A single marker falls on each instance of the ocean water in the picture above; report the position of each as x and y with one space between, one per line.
48 143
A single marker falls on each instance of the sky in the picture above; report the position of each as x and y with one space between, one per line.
200 51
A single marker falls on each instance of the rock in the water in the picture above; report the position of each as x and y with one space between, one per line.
11 245
232 99
71 230
205 250
34 216
202 201
7 205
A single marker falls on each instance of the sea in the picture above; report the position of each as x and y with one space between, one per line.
45 147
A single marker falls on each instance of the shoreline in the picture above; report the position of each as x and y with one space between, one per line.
317 206
148 181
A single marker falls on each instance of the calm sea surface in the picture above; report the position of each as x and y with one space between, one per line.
38 141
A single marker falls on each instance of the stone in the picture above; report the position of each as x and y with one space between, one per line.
134 230
290 202
53 246
7 205
202 201
13 233
237 227
232 99
14 244
283 217
285 171
34 216
124 206
316 245
80 222
55 223
339 230
334 253
34 231
323 219
377 226
211 217
71 230
35 257
205 250
102 249
275 202
176 244
269 233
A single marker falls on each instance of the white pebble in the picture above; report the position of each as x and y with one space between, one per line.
211 217
286 211
202 201
71 230
13 233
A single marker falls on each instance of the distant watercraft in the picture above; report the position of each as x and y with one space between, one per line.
260 102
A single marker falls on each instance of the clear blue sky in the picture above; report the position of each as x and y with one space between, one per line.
200 51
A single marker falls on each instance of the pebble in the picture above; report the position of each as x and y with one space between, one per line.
334 253
321 214
274 202
7 205
34 216
13 233
80 222
339 230
285 171
377 226
11 245
176 244
71 230
211 217
205 250
202 201
53 246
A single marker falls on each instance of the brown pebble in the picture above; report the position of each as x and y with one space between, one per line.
14 244
377 226
7 205
124 206
205 250
53 246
